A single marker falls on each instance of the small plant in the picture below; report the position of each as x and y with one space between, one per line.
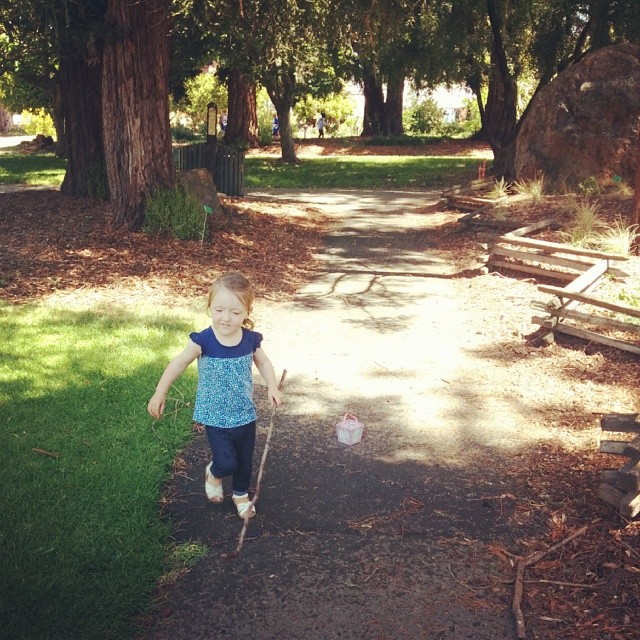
533 189
618 239
500 189
589 187
176 213
586 223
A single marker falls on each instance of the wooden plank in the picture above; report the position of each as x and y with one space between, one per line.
628 504
530 269
610 494
621 422
589 278
596 337
616 447
634 312
632 450
561 248
629 476
600 321
542 258
536 226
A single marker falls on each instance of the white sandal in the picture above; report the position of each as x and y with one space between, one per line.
243 504
214 492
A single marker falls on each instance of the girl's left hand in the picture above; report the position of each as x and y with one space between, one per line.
275 395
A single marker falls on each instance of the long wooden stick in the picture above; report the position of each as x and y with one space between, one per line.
247 517
523 563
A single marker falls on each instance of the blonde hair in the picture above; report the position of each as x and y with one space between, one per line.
240 287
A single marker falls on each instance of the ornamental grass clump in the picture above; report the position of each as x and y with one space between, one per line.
175 213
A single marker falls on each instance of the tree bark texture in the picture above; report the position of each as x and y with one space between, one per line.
5 120
374 109
394 102
499 117
281 89
635 208
242 117
81 106
137 135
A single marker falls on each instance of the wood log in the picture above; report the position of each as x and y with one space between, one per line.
572 294
592 336
620 422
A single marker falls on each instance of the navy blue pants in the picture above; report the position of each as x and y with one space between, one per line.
232 454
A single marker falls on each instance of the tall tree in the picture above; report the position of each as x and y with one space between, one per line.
80 95
137 135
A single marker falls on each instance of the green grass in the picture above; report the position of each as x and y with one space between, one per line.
344 172
82 543
355 172
36 169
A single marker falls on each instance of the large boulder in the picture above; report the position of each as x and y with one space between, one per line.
584 123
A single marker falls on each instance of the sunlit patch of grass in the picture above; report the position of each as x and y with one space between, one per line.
360 172
34 169
83 467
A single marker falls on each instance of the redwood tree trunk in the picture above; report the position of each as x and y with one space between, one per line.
374 113
242 118
80 79
393 104
137 135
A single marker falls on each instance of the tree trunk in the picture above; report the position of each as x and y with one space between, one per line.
281 89
242 118
59 124
499 117
137 135
394 102
5 120
81 105
373 121
635 208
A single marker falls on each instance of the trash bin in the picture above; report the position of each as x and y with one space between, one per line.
229 171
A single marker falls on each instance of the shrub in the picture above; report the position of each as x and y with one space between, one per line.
37 121
175 213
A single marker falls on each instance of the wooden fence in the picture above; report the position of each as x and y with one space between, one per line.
621 487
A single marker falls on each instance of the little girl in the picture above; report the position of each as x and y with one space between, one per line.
224 397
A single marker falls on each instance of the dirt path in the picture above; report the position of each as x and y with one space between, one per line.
394 537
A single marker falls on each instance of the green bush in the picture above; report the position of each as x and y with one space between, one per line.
425 117
37 121
175 213
183 133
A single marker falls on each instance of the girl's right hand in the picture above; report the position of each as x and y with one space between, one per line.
156 406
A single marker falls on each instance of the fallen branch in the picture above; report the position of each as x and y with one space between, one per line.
523 563
245 525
